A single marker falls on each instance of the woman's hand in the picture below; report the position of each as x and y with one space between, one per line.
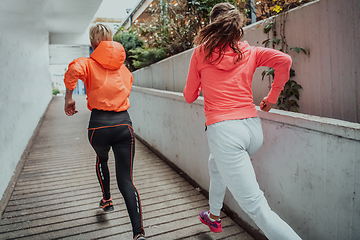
70 107
69 103
265 105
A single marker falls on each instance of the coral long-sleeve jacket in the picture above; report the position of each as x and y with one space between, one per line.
107 80
226 85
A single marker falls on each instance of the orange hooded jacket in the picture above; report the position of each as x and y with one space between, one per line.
107 80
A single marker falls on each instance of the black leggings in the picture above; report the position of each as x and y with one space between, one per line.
114 129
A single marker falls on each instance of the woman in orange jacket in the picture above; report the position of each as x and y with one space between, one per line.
108 84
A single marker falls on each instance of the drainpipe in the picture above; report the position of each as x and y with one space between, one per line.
252 11
128 10
163 13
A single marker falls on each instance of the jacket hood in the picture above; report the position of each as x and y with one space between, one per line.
228 61
111 55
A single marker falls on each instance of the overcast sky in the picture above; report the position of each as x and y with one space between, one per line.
115 8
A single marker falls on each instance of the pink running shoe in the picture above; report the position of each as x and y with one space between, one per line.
214 226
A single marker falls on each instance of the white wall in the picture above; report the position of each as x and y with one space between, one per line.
70 38
308 167
329 75
78 38
24 93
61 54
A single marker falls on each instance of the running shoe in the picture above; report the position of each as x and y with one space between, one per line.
215 226
107 205
140 237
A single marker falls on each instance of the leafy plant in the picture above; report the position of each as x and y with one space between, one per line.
145 57
286 99
290 94
130 41
297 49
173 25
55 91
267 8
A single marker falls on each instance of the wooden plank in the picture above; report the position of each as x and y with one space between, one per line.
22 194
200 231
170 220
149 211
47 168
56 180
119 219
69 196
92 183
68 207
77 199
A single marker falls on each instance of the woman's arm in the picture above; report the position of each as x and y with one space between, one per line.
76 71
281 63
192 89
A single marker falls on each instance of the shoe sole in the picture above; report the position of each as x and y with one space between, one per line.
215 230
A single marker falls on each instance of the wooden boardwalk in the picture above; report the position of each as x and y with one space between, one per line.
57 194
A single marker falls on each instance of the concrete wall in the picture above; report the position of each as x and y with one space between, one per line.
308 167
169 74
329 74
24 93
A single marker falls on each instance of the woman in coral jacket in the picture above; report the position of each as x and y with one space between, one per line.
108 84
222 67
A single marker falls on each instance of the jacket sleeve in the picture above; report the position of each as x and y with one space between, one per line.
192 88
281 64
76 71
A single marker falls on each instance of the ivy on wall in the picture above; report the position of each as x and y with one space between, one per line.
290 95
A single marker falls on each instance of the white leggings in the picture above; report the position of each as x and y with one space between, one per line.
231 143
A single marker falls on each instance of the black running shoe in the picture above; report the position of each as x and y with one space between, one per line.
140 237
107 206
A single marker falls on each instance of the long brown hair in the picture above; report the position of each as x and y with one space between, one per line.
224 29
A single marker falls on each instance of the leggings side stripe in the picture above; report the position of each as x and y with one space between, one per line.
132 160
98 172
97 165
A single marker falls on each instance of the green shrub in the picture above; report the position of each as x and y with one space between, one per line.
55 91
145 57
170 29
174 26
130 41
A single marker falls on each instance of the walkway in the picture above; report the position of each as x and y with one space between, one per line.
57 194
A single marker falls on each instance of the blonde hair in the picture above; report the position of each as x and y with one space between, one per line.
98 33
